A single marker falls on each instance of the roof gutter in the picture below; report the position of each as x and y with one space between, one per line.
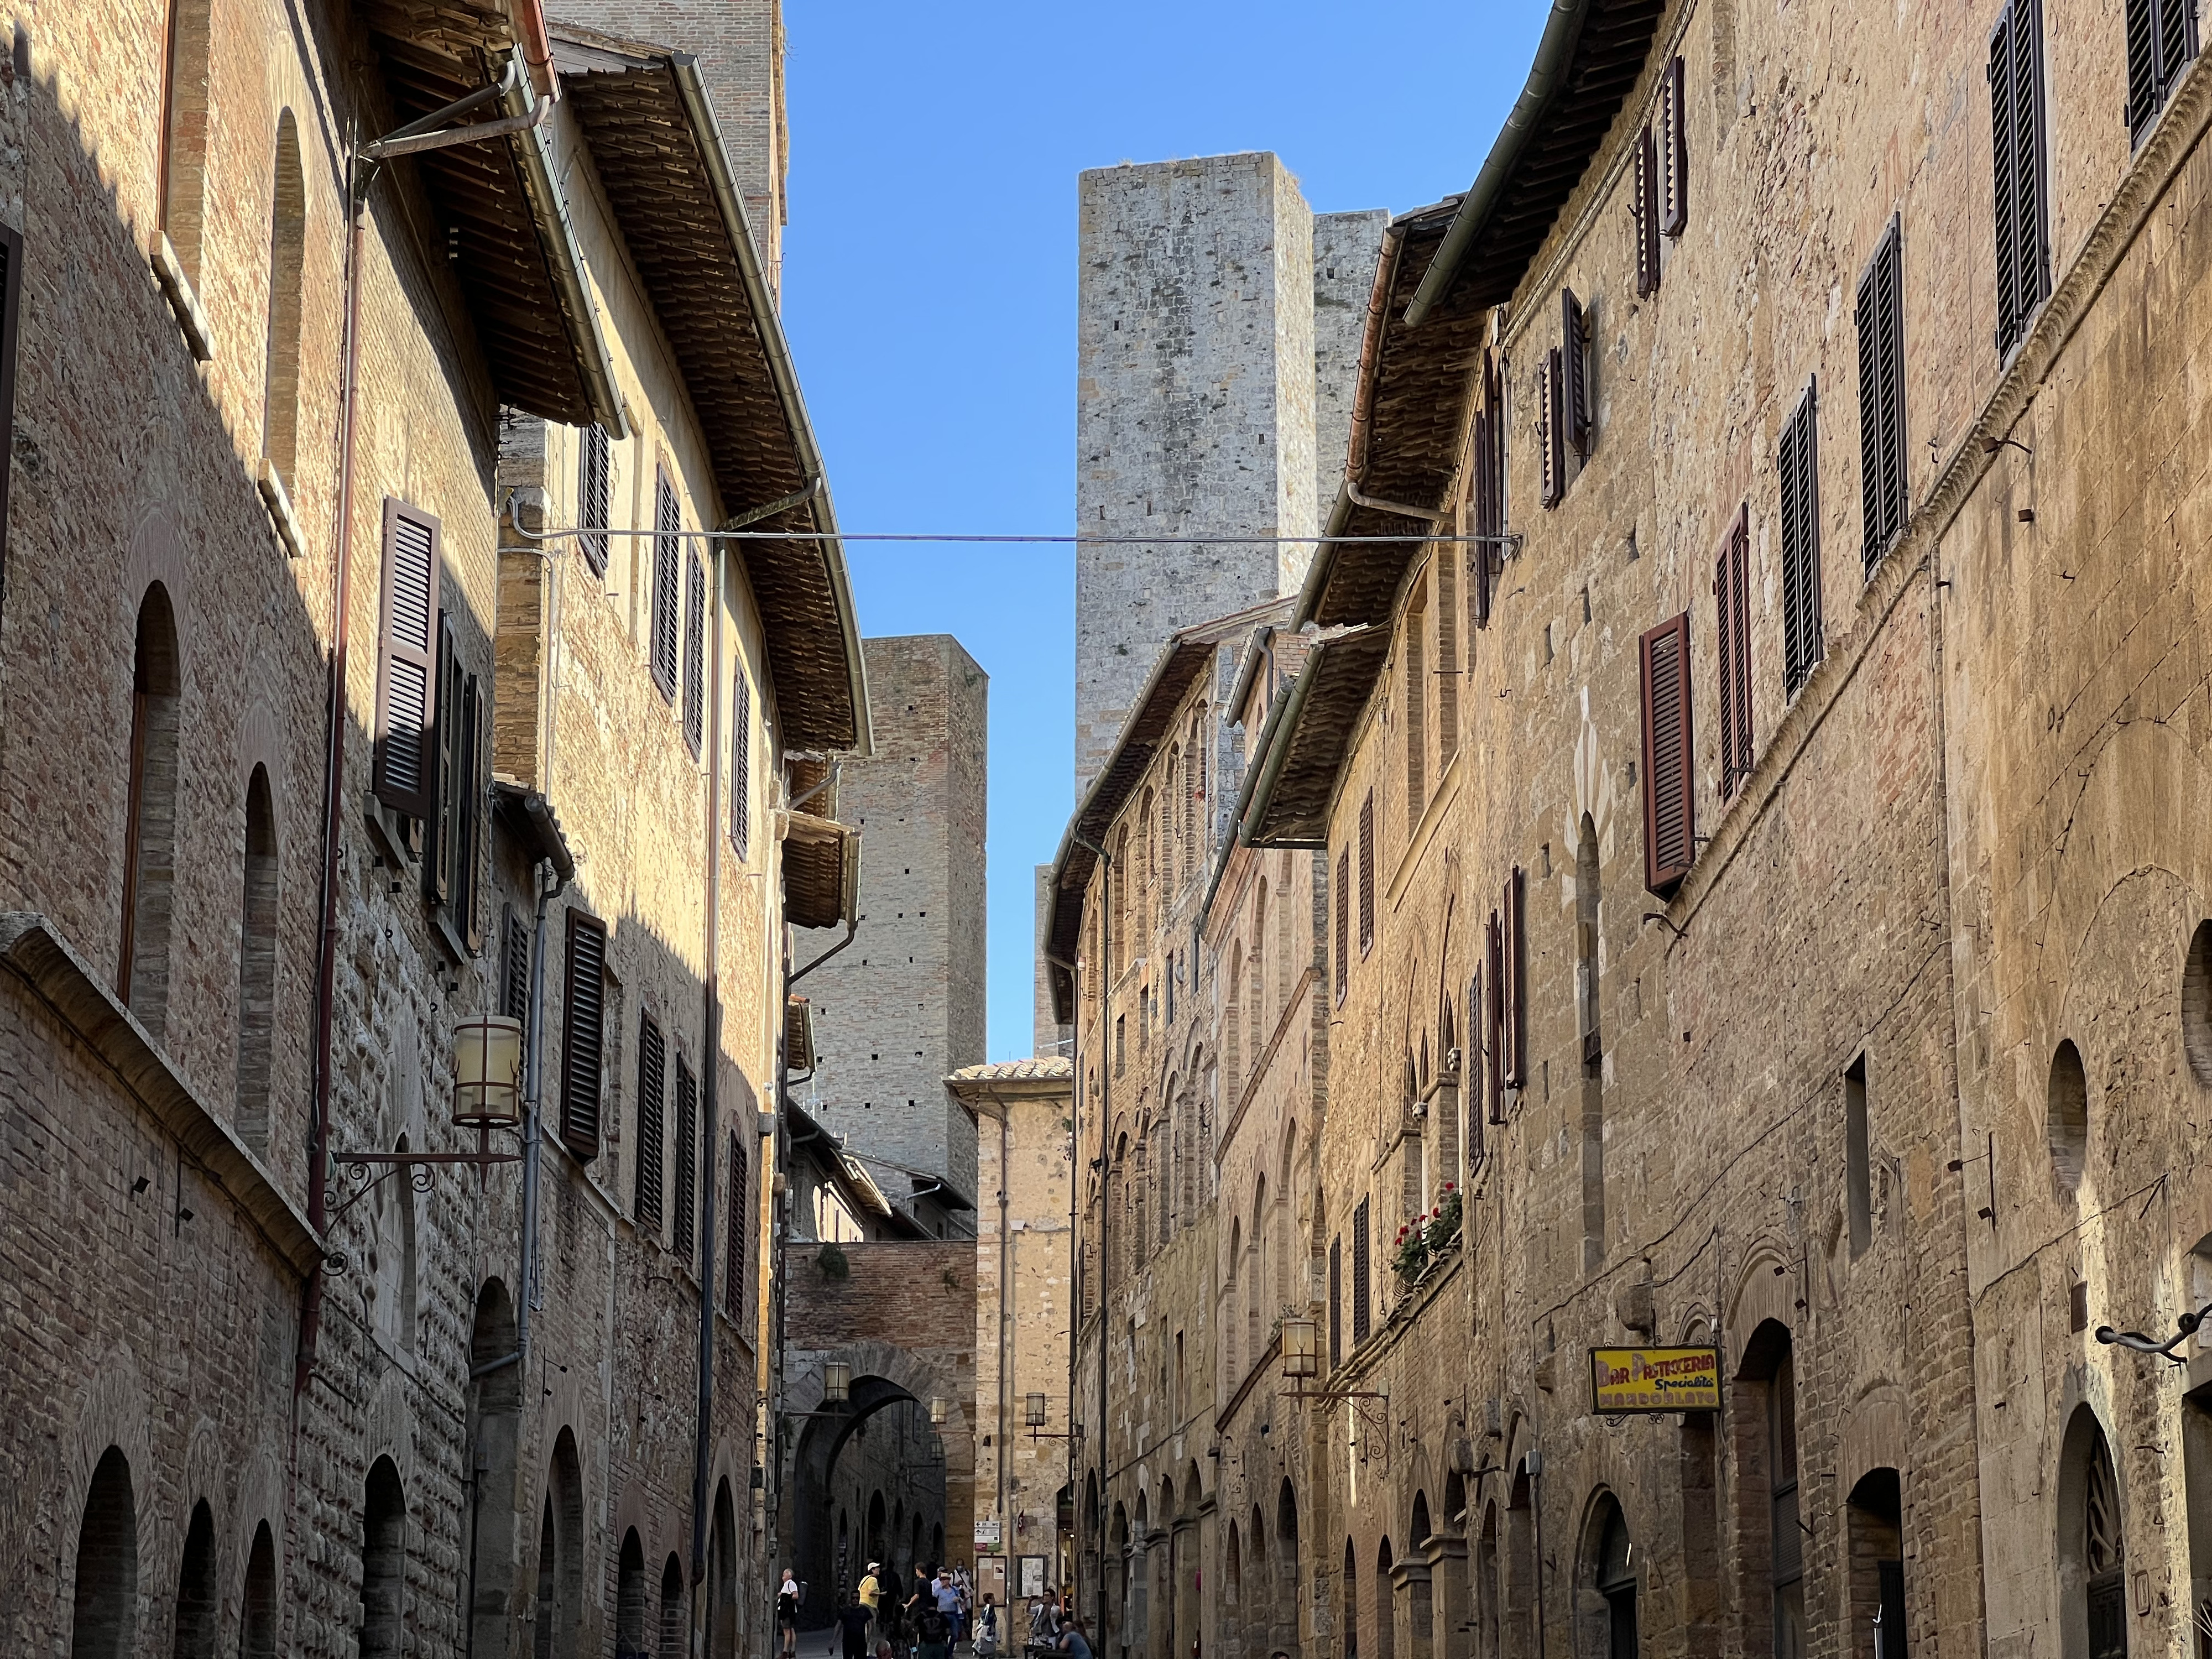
564 259
1069 839
1260 781
731 203
536 45
1555 52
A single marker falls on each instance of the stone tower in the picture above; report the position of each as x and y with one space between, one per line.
1215 355
903 1008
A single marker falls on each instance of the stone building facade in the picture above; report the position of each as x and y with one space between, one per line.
1024 1286
293 759
1756 907
903 1008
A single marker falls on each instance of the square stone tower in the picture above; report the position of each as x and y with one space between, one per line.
1203 325
903 1007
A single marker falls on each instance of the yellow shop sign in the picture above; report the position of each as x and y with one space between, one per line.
1655 1380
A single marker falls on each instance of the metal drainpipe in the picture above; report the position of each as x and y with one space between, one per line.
532 1119
1105 1196
1006 1332
711 1048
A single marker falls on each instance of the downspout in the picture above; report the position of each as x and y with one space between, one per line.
1075 978
1105 1200
1006 1329
534 1135
710 1046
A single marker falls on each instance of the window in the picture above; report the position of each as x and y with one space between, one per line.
668 522
1493 1044
288 244
651 1133
1117 882
151 848
1587 890
11 297
1447 659
2162 43
454 852
1513 993
1232 1024
1472 1079
1613 1577
1343 921
741 763
1671 141
1646 212
1487 463
1551 418
2067 1116
582 1036
1362 1272
694 655
383 1564
106 1618
1858 1186
1575 399
594 485
257 963
687 1159
198 1604
514 963
2022 173
1335 1302
407 665
1786 1539
184 120
1669 760
1798 466
1367 874
1882 479
1416 692
735 1252
257 1613
1120 1041
1732 618
1873 1521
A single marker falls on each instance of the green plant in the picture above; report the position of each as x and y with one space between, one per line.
833 1262
1444 1223
1411 1258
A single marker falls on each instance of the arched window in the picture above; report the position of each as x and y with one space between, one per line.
1613 1582
1169 844
1256 993
722 1575
1488 1593
632 1599
1386 1617
182 208
1232 1312
257 1622
150 847
257 963
2092 1545
1117 883
1147 874
1232 1569
1350 1601
383 1563
105 1625
1257 1294
559 1612
2067 1116
287 251
1232 1032
672 1623
1875 1545
198 1608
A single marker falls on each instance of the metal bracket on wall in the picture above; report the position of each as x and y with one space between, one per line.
417 1166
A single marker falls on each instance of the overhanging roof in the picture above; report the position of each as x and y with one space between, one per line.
659 155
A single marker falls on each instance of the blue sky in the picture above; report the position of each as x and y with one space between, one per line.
929 288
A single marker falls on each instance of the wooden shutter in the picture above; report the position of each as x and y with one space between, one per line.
594 473
1513 990
1575 399
1732 616
694 655
1646 214
1471 1076
407 662
1674 155
1798 465
1367 874
1362 1273
1882 473
1477 553
1448 671
2016 123
1669 758
1487 556
1336 1302
1493 1021
439 863
514 960
1343 921
734 1252
741 763
668 520
583 1034
651 1130
11 307
687 1159
1551 419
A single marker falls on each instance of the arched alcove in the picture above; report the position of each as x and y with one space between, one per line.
200 1606
257 963
383 1563
105 1622
633 1600
256 1621
496 1429
560 1611
2066 1116
150 844
288 244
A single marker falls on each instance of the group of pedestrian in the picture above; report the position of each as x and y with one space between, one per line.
934 1616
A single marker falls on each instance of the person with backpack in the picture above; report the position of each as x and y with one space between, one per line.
853 1619
933 1634
986 1628
788 1596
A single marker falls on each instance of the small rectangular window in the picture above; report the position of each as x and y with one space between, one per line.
583 1034
667 572
1669 756
1552 436
594 477
1798 465
736 1253
407 661
1343 922
1671 141
2022 169
1362 1272
1645 212
1336 1302
1732 631
1513 1002
1485 557
1883 477
1575 402
741 765
694 655
652 1131
1857 1170
1494 1020
1367 874
687 1159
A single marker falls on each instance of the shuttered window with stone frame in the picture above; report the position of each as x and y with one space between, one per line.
1732 634
651 1123
1552 434
1336 1302
1367 874
1669 756
514 963
1671 146
1362 1273
1575 392
594 487
583 1034
453 832
741 764
1644 211
2161 44
2020 183
1883 476
667 576
695 654
736 1251
1473 1078
1343 922
407 661
1797 467
1512 987
1487 557
686 1218
1448 667
1493 1018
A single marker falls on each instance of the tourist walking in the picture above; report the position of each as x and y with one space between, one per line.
853 1619
986 1628
786 1610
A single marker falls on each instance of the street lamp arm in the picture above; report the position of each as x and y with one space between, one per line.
2184 1328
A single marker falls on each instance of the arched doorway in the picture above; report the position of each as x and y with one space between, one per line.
1286 1558
560 1610
494 1432
722 1576
2092 1545
876 1455
1606 1584
256 1621
633 1600
383 1563
198 1608
673 1625
105 1625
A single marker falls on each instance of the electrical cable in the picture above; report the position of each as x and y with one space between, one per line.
1060 541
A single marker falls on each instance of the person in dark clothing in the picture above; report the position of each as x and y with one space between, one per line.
854 1619
934 1631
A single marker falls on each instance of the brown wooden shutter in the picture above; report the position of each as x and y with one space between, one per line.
1882 462
11 307
1574 401
667 571
1493 1021
1477 553
594 477
687 1160
735 1253
651 1128
584 1005
407 664
514 957
741 764
1798 465
1487 556
1470 1072
1448 669
1363 1272
1732 616
1669 757
1513 1006
1673 147
1552 436
1367 874
694 655
1343 921
1646 214
1336 1302
440 861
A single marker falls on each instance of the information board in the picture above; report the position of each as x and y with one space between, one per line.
1629 1380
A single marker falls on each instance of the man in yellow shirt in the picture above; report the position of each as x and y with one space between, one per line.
871 1592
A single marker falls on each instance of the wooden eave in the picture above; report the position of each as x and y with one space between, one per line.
1312 746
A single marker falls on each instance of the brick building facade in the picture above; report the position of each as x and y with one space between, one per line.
292 764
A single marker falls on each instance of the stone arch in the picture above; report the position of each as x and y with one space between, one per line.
199 1599
104 1623
288 245
257 963
256 1603
1762 1293
1603 1593
383 1563
559 1615
633 1598
496 1432
150 821
2092 1546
